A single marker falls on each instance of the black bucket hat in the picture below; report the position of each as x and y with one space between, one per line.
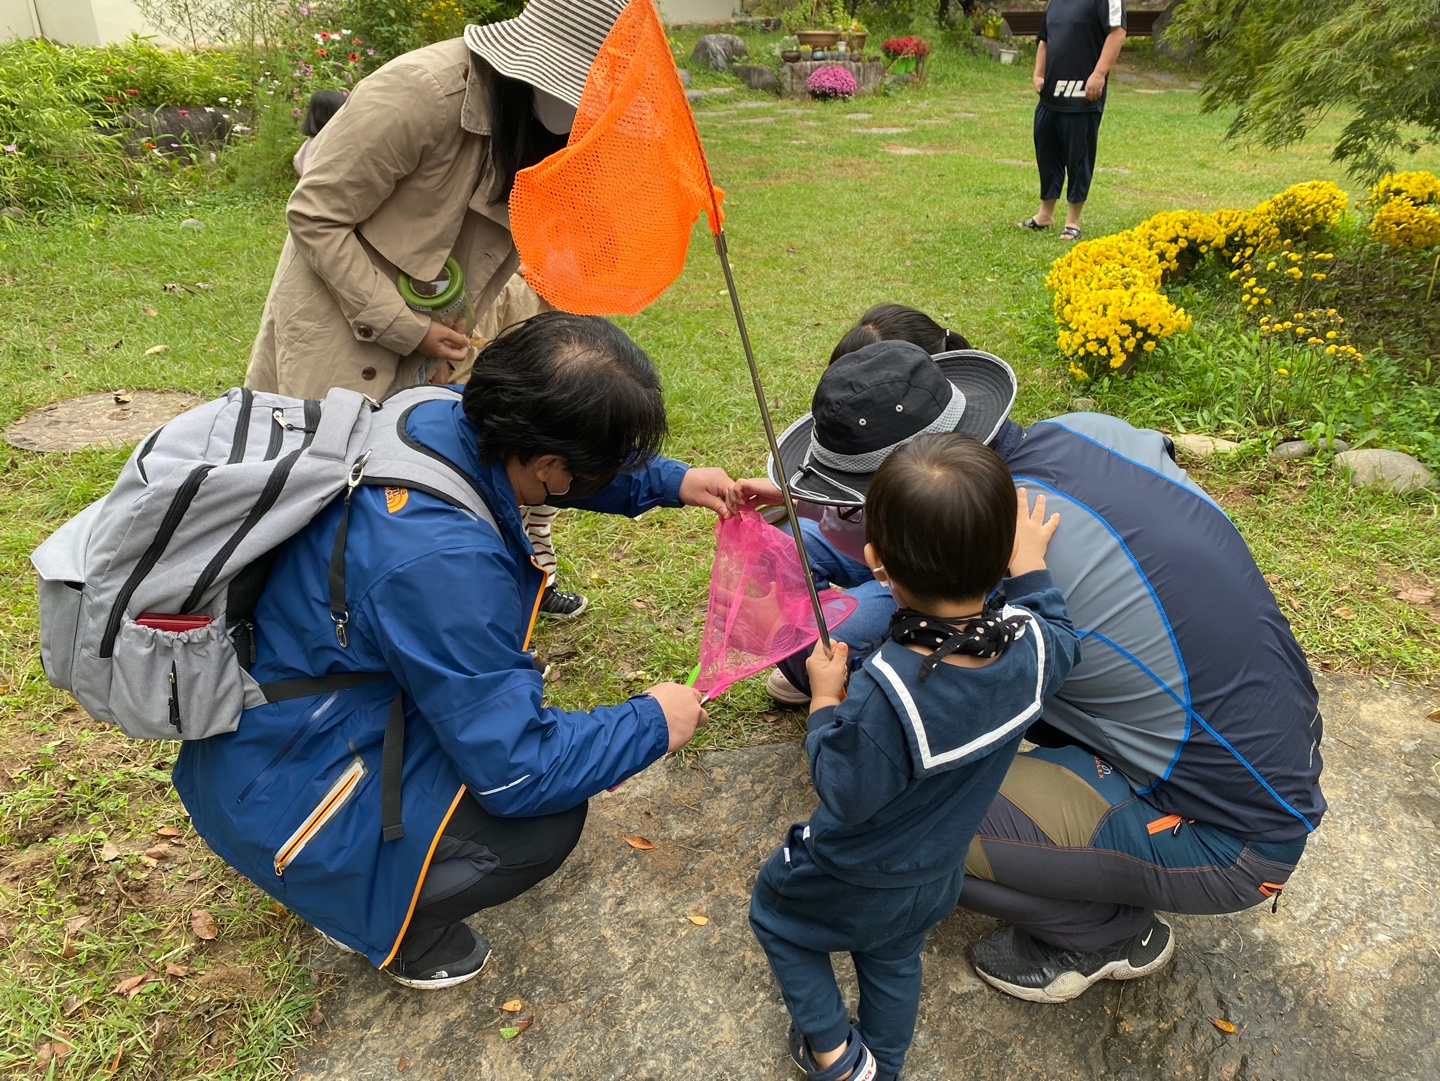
873 400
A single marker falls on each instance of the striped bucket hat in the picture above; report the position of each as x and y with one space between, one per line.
550 45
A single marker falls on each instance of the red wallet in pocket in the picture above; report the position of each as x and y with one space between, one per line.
162 622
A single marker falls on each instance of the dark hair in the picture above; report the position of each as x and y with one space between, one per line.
572 385
517 138
940 512
322 106
902 323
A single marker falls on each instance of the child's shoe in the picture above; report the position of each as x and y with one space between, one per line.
856 1063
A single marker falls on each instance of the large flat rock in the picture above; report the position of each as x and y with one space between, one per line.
1343 982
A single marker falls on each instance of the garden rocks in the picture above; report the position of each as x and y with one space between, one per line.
685 77
715 51
1083 405
168 129
1203 446
694 95
1384 469
867 74
1294 449
192 223
12 212
758 77
1160 35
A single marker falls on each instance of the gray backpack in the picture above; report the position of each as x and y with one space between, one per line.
146 595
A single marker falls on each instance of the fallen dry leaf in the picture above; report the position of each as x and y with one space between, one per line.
68 950
400 1066
70 1005
277 908
158 852
156 349
1345 613
75 923
203 924
509 1032
151 312
515 1005
178 971
149 861
168 831
61 1048
698 921
171 287
639 604
203 285
108 852
123 397
1418 595
160 1034
315 1018
195 876
639 842
1223 1025
1434 715
131 985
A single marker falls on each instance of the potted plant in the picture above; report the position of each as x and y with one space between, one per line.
789 48
855 36
907 55
1008 53
815 23
991 23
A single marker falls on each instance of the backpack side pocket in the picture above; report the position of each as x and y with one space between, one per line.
175 684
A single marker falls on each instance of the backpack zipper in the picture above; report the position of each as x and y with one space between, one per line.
268 495
277 434
242 426
168 525
174 700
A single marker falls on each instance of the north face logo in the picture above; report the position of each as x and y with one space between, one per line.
1069 88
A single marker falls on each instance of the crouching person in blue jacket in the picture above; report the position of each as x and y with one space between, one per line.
494 782
907 765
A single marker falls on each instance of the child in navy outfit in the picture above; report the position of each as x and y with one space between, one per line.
908 763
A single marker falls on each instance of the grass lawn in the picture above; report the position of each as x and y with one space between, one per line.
824 218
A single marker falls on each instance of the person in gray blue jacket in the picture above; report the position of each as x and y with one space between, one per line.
1181 763
907 764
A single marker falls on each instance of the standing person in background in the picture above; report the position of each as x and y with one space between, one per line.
323 104
416 169
1079 42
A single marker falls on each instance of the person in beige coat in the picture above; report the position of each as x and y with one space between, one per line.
416 168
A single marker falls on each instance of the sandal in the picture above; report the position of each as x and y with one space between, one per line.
1070 232
1033 225
855 1063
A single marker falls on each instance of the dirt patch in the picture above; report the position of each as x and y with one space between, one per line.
230 984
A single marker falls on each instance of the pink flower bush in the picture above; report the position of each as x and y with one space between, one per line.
831 81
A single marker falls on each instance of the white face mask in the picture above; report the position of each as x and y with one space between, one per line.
558 116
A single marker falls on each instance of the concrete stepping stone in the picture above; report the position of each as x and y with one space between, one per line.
1203 446
109 419
858 116
1340 982
1390 470
881 131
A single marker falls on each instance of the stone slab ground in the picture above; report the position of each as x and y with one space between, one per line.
1343 982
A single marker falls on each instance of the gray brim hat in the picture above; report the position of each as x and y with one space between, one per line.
834 468
550 45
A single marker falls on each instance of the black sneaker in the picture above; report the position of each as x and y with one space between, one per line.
1027 968
558 604
436 959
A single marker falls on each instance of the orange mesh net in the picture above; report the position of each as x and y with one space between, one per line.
603 225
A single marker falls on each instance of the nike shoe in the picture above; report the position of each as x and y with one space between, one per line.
558 604
436 959
1027 968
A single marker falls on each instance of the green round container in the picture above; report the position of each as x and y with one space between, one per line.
445 296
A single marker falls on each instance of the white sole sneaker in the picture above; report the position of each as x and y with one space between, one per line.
783 691
1072 984
439 983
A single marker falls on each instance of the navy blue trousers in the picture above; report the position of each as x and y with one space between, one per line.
802 915
1065 145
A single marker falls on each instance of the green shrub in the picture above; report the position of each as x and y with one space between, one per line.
54 100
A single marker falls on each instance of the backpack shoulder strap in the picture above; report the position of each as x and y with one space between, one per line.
395 459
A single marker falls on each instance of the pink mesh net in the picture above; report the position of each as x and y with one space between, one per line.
759 607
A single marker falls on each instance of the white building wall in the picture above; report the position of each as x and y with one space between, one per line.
101 22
